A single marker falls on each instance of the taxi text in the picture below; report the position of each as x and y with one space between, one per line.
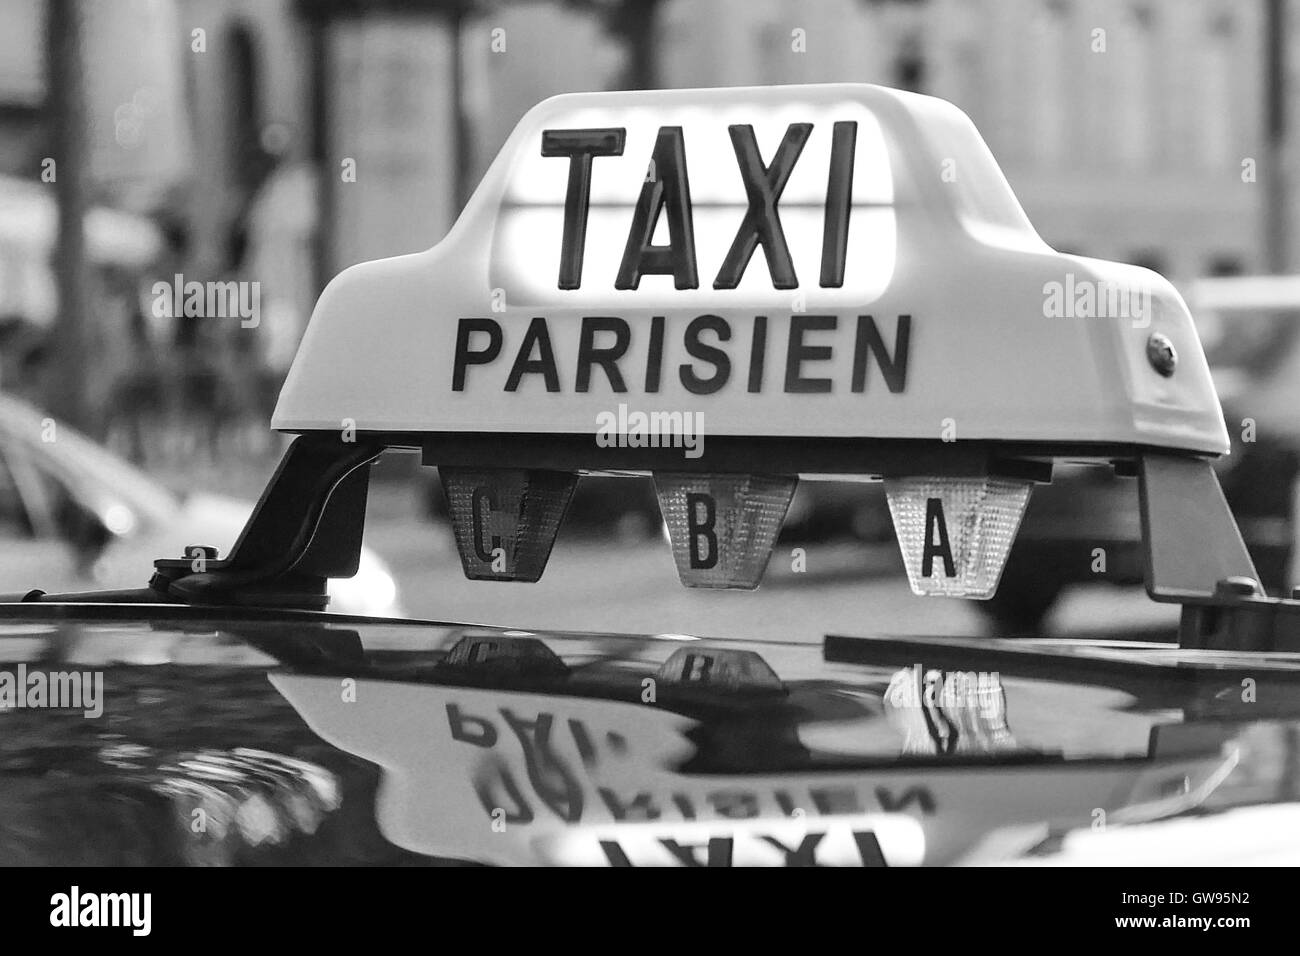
607 343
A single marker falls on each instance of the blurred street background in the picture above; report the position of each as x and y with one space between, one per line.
146 144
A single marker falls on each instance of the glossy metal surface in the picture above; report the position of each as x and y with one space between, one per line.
250 739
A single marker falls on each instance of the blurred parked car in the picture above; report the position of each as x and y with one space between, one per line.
73 515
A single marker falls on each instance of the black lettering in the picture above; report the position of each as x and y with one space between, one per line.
668 186
544 364
464 728
762 224
719 851
464 357
483 495
701 528
934 521
805 854
797 353
641 807
549 775
734 804
708 353
757 353
582 739
491 801
580 145
893 368
607 358
836 800
655 357
614 853
869 848
920 795
839 200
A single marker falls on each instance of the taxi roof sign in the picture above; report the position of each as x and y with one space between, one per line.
832 261
828 280
860 294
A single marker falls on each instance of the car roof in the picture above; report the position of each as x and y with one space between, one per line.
590 739
1116 690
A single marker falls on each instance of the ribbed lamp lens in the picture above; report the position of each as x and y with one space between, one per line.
506 519
956 533
722 527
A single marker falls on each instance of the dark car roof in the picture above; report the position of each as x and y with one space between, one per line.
498 745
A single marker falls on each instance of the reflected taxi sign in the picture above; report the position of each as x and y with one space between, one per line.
835 267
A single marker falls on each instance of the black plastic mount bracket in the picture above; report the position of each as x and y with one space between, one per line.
1195 556
307 527
1192 541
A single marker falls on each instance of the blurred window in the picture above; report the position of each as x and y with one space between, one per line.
909 67
1136 50
1227 265
244 110
773 53
1214 112
1048 110
14 521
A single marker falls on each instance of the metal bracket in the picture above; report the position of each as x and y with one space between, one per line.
1195 556
1241 619
306 527
1191 538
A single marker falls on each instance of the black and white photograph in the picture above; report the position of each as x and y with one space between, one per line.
651 434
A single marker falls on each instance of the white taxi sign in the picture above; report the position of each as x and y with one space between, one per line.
838 261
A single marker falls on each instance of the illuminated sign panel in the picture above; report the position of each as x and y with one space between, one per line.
731 204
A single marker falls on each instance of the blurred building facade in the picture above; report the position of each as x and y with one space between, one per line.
366 94
1130 129
283 140
1123 125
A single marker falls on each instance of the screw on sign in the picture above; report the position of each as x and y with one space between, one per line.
1161 354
